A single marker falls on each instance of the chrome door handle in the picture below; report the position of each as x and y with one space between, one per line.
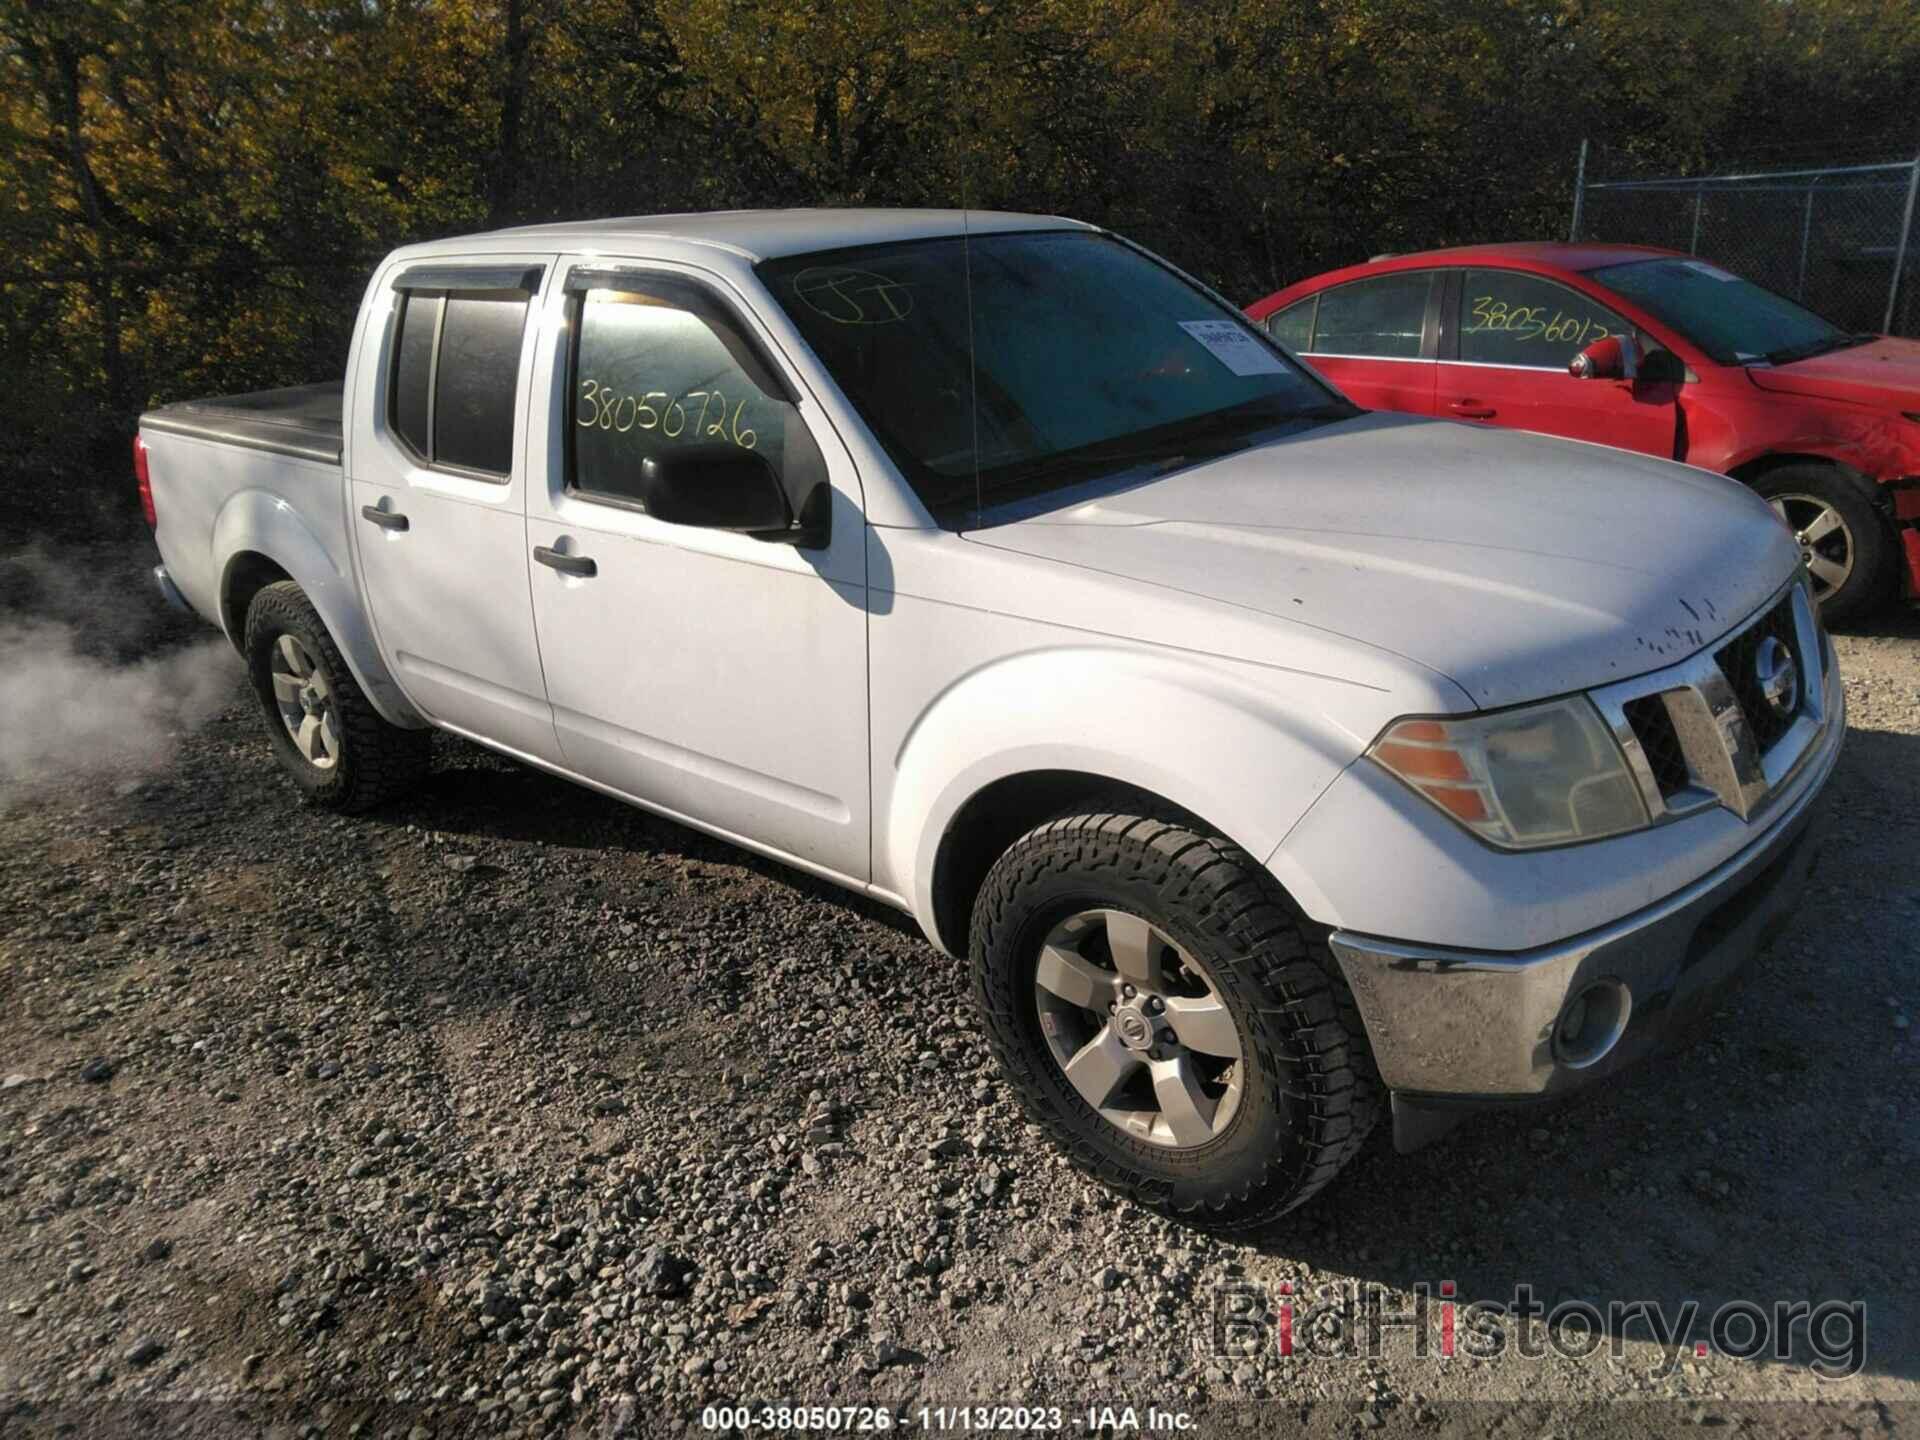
385 519
578 565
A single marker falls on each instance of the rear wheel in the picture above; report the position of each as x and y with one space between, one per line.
327 736
1847 546
1169 1017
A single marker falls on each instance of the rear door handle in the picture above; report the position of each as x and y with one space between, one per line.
1472 409
578 565
385 519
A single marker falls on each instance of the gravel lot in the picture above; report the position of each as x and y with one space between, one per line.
513 1109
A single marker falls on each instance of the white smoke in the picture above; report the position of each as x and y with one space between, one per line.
69 712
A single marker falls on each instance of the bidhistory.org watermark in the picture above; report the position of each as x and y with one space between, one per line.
1367 1321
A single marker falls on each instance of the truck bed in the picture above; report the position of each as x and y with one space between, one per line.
300 420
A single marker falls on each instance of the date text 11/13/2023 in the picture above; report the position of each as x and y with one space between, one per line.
946 1419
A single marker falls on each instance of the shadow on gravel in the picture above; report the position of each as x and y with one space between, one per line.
1770 1160
477 794
1896 622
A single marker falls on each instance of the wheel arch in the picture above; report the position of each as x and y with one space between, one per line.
246 575
262 541
1750 471
1014 744
995 816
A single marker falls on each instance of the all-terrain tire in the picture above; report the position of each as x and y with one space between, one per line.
1869 540
1311 1092
373 761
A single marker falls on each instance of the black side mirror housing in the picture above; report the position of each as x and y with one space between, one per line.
723 487
1662 367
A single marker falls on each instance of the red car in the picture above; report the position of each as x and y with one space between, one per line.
1649 350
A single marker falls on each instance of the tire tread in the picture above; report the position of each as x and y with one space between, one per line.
1307 1019
381 761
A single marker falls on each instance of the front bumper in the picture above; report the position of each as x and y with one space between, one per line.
1454 1028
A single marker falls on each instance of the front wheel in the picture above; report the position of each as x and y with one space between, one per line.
1848 548
1168 1016
326 734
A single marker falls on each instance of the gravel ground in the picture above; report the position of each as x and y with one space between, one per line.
513 1110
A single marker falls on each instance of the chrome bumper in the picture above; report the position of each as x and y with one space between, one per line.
1453 1027
169 591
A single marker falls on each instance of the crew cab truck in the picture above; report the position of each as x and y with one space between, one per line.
1275 765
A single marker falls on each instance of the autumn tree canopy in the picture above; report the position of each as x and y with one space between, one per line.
195 189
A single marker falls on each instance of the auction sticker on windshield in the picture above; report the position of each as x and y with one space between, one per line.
1234 347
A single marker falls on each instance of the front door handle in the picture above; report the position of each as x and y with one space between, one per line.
385 519
1472 409
578 565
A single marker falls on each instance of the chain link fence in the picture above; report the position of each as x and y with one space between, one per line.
1841 240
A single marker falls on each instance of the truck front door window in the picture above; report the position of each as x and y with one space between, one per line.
651 377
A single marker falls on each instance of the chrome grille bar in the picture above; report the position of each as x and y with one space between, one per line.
1725 763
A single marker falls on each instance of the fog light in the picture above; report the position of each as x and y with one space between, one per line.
1592 1024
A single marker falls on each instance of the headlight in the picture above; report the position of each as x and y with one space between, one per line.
1547 774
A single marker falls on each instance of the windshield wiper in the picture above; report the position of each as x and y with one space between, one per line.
1825 346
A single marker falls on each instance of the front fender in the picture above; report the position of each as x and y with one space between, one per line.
261 523
1245 749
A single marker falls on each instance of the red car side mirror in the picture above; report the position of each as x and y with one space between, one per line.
1615 358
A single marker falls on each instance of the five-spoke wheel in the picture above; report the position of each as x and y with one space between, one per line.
330 740
304 698
1136 1027
1847 544
1168 1016
1826 545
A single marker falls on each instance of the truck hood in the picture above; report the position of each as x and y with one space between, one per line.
1516 565
1887 372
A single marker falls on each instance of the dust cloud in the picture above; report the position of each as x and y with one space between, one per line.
95 680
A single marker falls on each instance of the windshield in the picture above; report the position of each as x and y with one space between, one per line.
1733 320
1091 358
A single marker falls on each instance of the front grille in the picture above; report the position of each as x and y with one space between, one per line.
1702 730
1653 728
1736 660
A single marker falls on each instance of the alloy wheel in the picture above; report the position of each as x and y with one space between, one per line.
304 698
1138 1029
1824 540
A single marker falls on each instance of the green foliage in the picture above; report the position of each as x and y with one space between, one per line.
192 191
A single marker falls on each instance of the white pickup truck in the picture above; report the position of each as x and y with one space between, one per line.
1267 759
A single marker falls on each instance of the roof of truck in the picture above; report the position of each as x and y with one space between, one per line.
768 234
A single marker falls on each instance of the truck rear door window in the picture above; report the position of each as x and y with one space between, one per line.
453 391
413 370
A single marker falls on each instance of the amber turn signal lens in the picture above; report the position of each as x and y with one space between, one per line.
1420 762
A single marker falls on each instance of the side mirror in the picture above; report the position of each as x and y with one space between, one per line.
1615 358
1662 367
717 487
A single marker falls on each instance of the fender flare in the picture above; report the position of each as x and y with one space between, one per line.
1183 729
261 523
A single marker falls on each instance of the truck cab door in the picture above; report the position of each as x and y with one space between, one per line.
437 500
1504 361
711 675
